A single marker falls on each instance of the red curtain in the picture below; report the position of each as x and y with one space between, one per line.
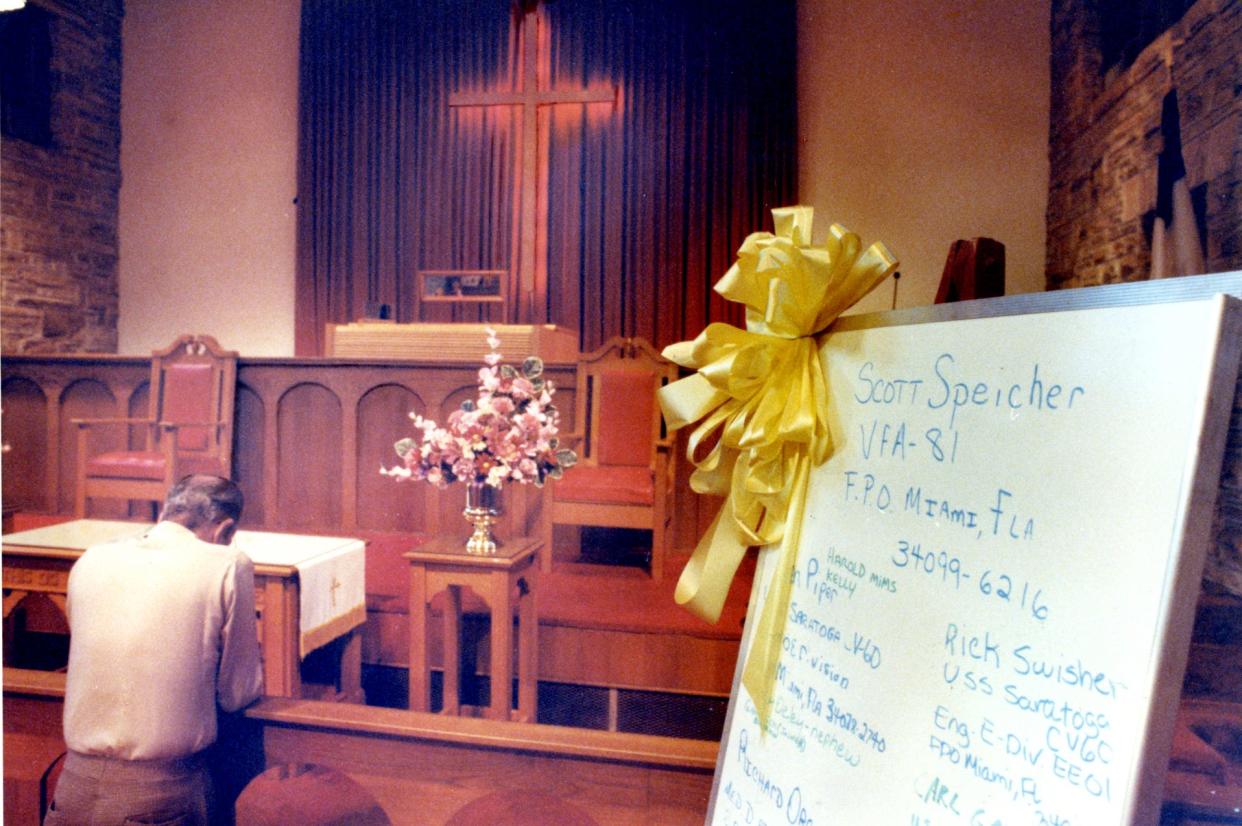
646 200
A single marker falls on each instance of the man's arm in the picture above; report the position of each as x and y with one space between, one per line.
239 681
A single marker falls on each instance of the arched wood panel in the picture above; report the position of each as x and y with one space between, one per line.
24 429
383 418
452 401
44 615
248 442
308 457
85 399
27 643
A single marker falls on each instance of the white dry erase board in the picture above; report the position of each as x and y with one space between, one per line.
993 595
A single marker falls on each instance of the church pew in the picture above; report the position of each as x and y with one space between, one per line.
421 768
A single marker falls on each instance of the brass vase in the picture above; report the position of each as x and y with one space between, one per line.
482 511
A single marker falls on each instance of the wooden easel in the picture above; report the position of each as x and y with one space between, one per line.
975 268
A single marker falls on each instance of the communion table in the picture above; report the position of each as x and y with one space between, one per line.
309 592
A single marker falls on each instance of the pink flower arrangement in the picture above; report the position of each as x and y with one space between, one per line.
508 435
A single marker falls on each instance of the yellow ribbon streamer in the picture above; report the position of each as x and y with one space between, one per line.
761 398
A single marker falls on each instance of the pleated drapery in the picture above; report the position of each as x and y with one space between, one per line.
646 201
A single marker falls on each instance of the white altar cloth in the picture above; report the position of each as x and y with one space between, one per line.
331 577
331 569
77 535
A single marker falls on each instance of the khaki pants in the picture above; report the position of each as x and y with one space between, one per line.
105 791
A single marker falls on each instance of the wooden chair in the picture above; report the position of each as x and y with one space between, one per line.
623 478
189 428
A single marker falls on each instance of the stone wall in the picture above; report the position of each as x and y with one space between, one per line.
1105 136
58 228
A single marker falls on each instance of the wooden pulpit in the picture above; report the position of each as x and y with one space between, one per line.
449 342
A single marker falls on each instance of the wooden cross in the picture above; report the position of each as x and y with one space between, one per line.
529 219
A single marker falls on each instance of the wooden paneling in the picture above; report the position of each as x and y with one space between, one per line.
308 475
631 659
107 378
568 653
341 491
249 432
383 418
311 435
25 435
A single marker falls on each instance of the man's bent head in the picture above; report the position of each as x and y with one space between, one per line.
210 506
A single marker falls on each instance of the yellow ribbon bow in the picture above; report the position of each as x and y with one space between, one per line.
762 398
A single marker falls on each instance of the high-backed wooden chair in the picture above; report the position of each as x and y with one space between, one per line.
623 478
189 428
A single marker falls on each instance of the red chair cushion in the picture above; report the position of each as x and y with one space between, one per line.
612 485
625 400
147 464
127 464
187 398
